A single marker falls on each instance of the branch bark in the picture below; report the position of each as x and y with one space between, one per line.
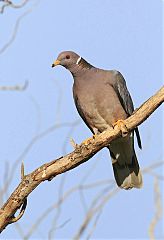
81 154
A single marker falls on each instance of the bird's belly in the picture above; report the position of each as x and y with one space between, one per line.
93 117
100 112
98 123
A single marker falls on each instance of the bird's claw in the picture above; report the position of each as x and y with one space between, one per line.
122 126
88 140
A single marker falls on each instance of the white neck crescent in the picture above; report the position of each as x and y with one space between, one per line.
78 60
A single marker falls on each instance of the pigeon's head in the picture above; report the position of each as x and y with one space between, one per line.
67 59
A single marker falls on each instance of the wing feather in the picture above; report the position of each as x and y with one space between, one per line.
125 99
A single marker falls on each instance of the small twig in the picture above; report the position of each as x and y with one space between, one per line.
22 211
15 88
8 3
158 209
22 171
74 145
53 227
94 225
13 36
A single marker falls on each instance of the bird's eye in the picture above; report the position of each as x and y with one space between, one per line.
67 56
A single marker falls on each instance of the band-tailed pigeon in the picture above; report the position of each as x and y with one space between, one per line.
102 98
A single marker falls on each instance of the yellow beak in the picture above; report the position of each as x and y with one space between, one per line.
57 62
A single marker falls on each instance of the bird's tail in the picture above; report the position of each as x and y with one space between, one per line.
128 175
126 168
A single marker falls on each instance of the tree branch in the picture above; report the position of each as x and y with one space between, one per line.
81 154
8 3
15 88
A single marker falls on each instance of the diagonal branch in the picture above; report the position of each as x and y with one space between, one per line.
81 154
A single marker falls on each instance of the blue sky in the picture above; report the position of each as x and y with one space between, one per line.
111 34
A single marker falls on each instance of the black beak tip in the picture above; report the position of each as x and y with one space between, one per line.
53 65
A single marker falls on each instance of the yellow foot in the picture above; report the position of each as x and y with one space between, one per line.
121 125
87 141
